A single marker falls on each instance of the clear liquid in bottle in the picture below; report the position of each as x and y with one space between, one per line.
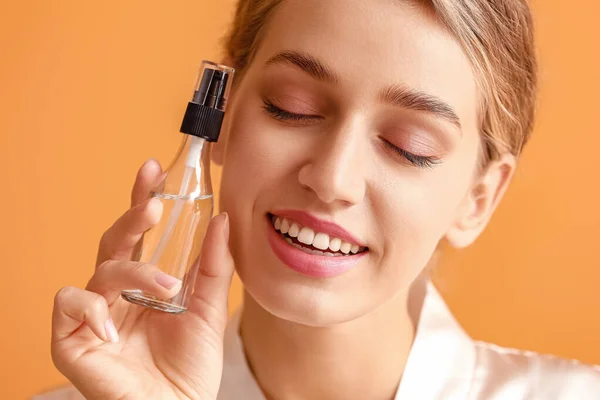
179 255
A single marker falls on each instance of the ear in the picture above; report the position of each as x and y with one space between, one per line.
217 150
481 201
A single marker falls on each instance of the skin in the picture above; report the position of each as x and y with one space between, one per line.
338 168
304 337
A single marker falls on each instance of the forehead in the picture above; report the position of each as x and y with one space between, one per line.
373 44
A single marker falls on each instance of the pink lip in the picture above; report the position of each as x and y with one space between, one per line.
309 264
318 225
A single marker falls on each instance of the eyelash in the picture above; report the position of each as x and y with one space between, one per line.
282 115
418 161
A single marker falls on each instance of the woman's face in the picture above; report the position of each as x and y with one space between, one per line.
357 123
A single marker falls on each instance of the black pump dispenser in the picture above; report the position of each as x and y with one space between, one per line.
204 114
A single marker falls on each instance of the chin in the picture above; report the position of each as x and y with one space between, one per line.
302 301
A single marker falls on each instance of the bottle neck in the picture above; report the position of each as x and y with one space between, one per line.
189 174
194 150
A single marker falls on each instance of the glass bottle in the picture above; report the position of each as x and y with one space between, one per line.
174 243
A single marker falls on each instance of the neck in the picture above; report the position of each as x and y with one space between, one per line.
360 359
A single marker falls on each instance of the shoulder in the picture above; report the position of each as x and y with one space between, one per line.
509 373
464 368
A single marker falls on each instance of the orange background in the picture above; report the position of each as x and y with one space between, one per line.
89 90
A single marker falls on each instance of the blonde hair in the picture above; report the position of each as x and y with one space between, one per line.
496 35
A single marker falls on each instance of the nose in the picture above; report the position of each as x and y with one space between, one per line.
337 167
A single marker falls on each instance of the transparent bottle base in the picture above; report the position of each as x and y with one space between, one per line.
146 300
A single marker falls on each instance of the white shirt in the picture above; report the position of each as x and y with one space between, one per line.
444 363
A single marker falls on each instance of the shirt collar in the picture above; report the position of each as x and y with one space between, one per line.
442 358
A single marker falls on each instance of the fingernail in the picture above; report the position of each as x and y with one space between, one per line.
152 202
166 281
111 330
150 161
226 227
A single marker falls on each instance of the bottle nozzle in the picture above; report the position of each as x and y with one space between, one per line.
212 90
204 114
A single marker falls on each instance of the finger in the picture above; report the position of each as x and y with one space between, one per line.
114 276
148 177
120 240
214 274
74 307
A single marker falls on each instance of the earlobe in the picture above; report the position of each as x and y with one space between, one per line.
480 203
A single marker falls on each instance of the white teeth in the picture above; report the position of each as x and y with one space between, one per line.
335 244
306 236
321 241
346 247
285 226
294 230
315 252
312 251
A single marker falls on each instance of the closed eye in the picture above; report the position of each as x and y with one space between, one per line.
416 160
284 115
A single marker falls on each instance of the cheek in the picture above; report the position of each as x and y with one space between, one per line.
415 210
259 152
414 225
256 162
243 162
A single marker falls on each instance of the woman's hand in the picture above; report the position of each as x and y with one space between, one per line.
111 349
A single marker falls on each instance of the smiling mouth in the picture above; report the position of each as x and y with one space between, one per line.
311 242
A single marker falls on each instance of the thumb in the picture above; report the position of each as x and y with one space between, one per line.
214 274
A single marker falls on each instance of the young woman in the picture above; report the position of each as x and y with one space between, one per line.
370 131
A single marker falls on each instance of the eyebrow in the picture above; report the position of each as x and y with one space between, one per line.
405 97
307 63
398 95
